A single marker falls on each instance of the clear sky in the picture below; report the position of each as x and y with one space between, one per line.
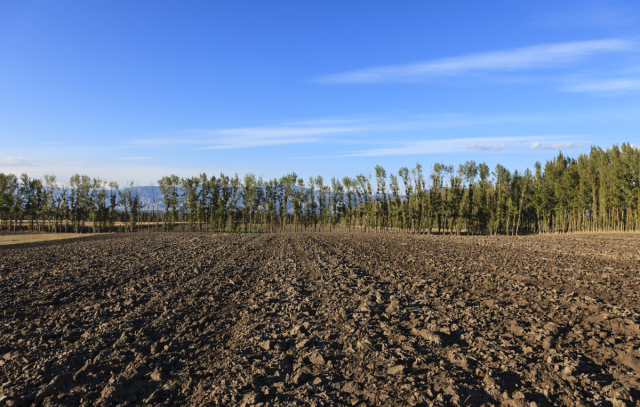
134 90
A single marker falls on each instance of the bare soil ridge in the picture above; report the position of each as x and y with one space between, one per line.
321 319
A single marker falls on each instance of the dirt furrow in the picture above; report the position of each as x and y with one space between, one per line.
143 317
321 319
535 347
412 326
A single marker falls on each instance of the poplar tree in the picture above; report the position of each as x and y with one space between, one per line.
190 187
51 188
395 193
337 201
9 200
249 190
598 191
169 188
322 201
310 205
114 192
381 206
348 184
435 196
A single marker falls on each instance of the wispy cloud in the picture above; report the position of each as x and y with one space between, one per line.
291 132
135 158
558 146
321 130
269 136
17 161
362 131
616 85
465 144
324 122
538 56
487 147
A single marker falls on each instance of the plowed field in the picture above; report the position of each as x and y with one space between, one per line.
325 319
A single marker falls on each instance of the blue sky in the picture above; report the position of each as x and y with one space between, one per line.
137 90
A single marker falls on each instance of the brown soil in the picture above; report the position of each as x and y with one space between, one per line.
18 238
326 319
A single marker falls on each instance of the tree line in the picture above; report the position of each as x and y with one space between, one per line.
598 191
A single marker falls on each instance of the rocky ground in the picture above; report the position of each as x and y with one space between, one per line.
325 319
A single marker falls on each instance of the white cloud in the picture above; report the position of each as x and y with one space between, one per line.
538 56
260 136
440 146
487 147
319 131
323 122
269 136
557 146
17 161
166 141
489 144
606 86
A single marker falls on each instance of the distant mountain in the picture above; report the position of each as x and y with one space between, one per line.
150 197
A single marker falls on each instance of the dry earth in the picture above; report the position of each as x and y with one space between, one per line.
364 320
18 238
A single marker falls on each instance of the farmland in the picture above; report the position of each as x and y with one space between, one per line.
18 238
321 319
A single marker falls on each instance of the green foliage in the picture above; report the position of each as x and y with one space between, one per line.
599 191
169 188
